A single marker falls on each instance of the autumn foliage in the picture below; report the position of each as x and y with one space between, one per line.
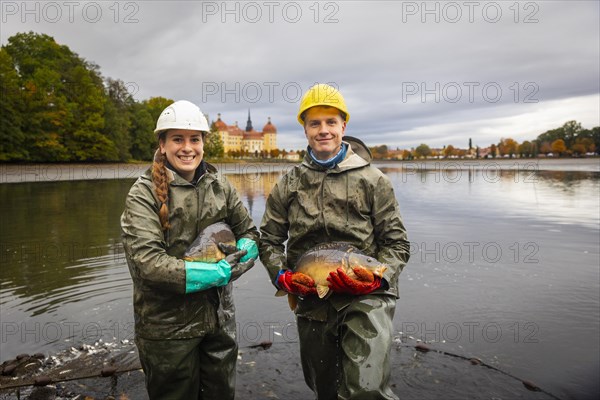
57 107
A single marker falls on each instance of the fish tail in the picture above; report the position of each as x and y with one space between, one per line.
322 290
292 301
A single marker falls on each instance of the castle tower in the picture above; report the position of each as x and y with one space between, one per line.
269 136
249 123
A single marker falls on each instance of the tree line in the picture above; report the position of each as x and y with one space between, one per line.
57 107
569 140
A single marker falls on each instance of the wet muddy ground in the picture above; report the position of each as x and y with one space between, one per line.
268 371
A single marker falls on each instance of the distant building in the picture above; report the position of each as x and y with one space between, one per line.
485 152
394 154
248 140
292 156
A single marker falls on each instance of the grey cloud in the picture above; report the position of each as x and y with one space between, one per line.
373 51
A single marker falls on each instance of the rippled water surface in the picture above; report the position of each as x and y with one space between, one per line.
504 267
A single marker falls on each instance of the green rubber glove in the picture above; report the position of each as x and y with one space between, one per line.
251 248
201 276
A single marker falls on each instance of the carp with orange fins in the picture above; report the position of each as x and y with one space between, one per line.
331 267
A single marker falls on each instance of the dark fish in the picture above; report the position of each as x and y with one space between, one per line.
205 248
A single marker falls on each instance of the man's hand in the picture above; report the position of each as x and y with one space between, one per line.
295 283
340 282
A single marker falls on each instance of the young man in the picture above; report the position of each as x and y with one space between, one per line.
335 195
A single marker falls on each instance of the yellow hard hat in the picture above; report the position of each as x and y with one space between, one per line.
322 95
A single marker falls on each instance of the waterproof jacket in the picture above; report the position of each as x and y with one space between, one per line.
352 202
162 310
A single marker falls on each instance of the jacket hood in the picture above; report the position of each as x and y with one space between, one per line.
359 148
358 155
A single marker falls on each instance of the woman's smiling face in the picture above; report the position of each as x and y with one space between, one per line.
184 149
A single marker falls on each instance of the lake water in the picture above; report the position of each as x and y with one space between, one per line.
504 267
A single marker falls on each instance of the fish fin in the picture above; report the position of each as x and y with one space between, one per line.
322 290
345 263
353 261
292 301
381 271
280 293
188 259
351 274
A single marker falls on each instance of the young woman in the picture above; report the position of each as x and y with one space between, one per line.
184 312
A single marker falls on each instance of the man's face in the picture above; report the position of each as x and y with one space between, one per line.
324 129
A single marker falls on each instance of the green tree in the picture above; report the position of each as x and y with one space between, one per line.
63 101
143 139
12 139
86 140
593 135
155 105
422 151
213 145
550 136
525 149
45 133
570 131
118 111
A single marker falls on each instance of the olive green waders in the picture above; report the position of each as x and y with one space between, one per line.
190 369
348 356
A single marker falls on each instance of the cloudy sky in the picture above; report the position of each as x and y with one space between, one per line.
433 72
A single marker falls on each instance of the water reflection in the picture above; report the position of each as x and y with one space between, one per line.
49 230
253 186
57 235
62 272
568 197
62 265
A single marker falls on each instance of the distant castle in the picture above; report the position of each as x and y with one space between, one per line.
251 141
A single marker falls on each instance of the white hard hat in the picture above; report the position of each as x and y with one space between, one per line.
181 115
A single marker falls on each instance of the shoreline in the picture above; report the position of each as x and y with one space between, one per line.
49 172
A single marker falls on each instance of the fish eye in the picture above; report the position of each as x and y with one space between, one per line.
369 260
